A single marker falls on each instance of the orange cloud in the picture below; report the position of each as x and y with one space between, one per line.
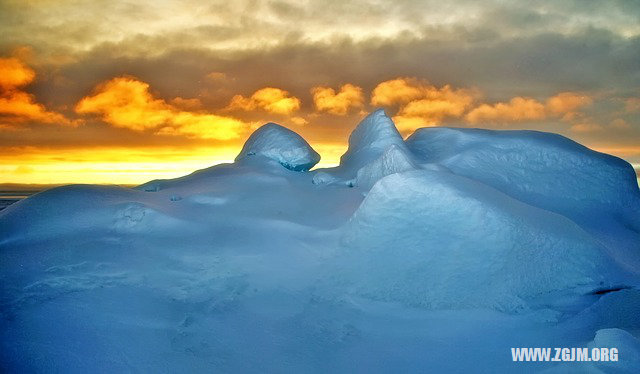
566 102
516 110
422 104
14 74
620 124
18 106
585 127
299 121
186 104
397 91
326 99
632 104
126 102
272 100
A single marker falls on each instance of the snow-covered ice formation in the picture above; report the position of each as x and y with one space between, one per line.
394 160
457 243
440 240
282 145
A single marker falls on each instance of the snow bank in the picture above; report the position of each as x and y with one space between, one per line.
280 144
439 240
85 211
597 191
543 169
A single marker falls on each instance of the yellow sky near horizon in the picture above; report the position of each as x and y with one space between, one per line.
124 165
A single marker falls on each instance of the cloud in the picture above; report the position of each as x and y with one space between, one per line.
186 104
326 99
632 105
586 127
16 105
422 104
397 91
15 74
516 110
299 121
126 102
269 99
566 104
620 124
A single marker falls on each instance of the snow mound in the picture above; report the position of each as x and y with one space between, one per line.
274 142
373 135
543 169
437 240
85 211
394 160
61 211
597 191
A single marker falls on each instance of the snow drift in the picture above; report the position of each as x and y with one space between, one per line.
406 252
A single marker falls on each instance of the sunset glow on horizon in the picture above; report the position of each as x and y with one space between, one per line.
142 92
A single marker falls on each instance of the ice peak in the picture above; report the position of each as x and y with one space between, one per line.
274 142
373 135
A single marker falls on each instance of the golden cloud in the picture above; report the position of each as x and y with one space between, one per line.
567 102
632 104
564 105
270 99
585 127
516 110
422 104
18 106
14 74
397 91
126 102
326 99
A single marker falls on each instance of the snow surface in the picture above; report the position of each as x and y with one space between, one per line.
436 254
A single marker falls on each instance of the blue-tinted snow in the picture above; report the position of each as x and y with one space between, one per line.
438 254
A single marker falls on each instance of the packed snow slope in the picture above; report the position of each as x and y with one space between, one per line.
438 254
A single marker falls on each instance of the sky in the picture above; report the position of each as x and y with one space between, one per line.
126 91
